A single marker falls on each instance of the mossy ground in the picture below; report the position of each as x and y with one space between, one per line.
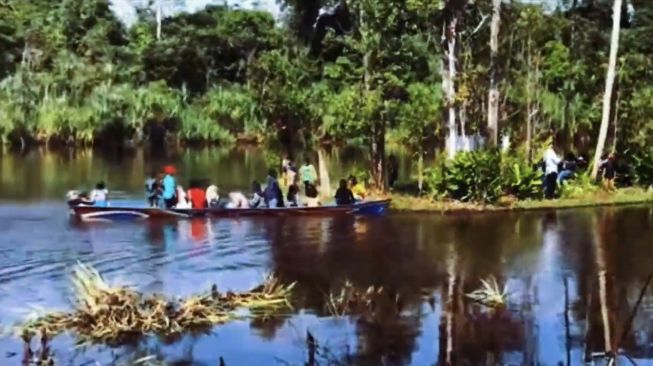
622 196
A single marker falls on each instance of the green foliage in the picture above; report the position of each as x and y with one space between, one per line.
233 108
641 162
70 71
581 186
472 177
484 177
197 126
519 178
417 117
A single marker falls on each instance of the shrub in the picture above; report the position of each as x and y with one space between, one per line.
640 166
578 187
197 126
519 178
472 177
484 177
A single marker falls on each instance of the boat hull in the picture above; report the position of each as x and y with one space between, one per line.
121 213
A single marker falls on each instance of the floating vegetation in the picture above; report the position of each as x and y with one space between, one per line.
490 294
119 315
351 300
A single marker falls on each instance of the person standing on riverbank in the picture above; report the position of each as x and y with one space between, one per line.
551 161
569 166
607 171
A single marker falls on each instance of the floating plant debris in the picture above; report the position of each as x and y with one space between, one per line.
119 315
490 294
351 300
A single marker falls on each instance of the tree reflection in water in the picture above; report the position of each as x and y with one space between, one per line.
574 277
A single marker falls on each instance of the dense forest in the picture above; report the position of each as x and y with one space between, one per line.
417 72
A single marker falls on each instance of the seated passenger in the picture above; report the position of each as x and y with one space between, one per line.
153 190
237 200
257 196
312 196
272 193
197 196
75 198
212 197
293 196
99 195
182 201
357 189
343 194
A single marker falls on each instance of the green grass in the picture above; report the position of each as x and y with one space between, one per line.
623 196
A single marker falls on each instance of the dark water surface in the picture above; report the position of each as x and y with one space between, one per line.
568 274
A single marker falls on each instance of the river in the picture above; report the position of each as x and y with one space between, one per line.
568 273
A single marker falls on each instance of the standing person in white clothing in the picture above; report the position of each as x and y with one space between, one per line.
100 195
551 161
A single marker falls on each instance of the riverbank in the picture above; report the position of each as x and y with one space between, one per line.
623 196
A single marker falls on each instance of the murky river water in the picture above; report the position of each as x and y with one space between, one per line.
568 275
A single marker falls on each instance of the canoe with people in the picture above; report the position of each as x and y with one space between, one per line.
165 198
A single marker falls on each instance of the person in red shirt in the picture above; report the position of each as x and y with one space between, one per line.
197 196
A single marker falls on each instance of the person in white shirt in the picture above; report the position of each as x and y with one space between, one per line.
212 196
99 195
551 161
237 200
182 201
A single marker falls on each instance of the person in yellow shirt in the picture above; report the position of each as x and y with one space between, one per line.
358 189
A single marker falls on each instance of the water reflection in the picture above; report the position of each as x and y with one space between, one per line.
573 277
43 174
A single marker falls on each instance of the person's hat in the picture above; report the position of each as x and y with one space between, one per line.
169 169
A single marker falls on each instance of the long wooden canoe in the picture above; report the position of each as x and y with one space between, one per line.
129 211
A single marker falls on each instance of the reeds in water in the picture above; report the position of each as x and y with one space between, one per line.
351 301
490 294
119 315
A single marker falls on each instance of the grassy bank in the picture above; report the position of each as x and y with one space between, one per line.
623 196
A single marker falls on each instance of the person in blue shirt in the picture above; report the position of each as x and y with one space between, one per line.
272 193
169 187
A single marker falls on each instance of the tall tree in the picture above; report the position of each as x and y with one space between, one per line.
453 10
493 95
609 84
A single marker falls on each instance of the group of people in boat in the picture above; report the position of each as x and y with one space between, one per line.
163 191
99 196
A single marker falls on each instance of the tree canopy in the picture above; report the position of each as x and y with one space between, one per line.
71 71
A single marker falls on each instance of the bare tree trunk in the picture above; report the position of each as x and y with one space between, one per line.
325 182
529 104
420 171
378 155
493 95
159 17
462 116
449 77
615 122
377 138
609 83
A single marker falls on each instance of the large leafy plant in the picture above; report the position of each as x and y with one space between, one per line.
473 177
